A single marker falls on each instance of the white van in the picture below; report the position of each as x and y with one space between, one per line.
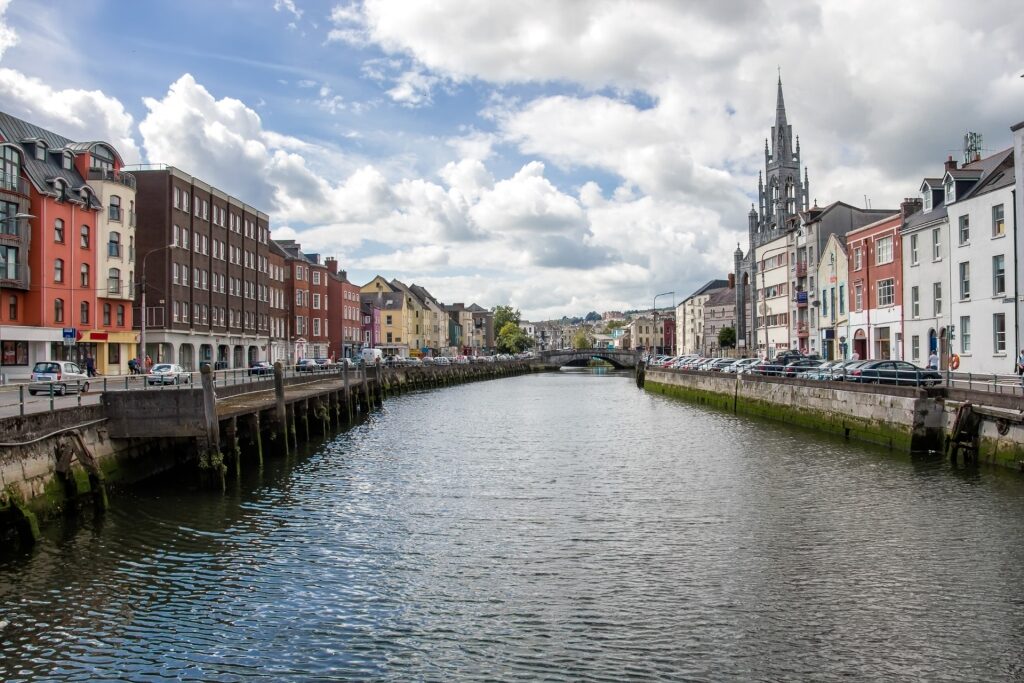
371 356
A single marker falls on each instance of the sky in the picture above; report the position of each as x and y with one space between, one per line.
560 156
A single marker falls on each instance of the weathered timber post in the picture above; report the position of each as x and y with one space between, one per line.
234 451
256 437
348 396
281 408
366 391
210 459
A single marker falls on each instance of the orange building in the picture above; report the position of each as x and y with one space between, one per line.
70 271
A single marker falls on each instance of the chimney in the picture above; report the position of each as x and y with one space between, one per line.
732 280
332 265
344 275
950 163
908 206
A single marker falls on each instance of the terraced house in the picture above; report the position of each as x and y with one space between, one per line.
65 250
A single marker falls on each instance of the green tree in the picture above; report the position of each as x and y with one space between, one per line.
727 338
593 317
583 340
505 314
614 325
512 339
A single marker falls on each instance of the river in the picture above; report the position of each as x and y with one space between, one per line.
563 526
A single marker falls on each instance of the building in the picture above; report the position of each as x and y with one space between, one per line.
781 196
279 304
1018 214
483 329
203 266
875 271
689 317
66 254
371 320
647 333
435 326
463 318
719 313
833 316
395 308
983 298
345 328
307 284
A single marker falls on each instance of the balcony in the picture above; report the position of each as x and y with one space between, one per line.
114 286
801 269
801 299
14 275
126 179
13 183
802 330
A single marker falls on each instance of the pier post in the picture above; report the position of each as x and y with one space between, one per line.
211 461
256 437
281 408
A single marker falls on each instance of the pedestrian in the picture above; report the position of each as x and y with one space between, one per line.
90 366
131 366
1020 366
149 363
933 360
855 356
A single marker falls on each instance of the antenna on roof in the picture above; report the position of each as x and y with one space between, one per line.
867 202
972 147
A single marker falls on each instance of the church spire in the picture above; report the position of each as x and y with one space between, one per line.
780 108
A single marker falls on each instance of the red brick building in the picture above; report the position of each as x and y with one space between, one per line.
308 289
345 323
874 256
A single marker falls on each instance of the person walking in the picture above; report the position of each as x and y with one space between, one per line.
149 363
90 366
1020 366
933 360
131 366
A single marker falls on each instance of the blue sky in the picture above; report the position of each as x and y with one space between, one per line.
560 156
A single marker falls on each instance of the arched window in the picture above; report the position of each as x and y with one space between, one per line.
84 310
58 310
114 245
102 159
85 237
114 209
58 231
85 274
114 280
58 270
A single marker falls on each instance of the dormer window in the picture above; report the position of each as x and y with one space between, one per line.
40 151
66 161
950 191
927 199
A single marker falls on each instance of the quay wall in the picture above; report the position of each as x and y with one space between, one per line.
902 418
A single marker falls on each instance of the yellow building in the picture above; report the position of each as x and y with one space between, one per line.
401 317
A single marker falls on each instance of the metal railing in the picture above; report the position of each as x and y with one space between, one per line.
126 179
13 183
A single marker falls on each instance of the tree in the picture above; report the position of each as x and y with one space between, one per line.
505 314
614 325
727 338
582 340
512 339
593 317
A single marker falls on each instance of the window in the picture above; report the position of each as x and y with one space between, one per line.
177 198
85 275
915 302
184 207
316 298
174 273
84 241
824 303
965 280
915 347
886 292
856 258
66 161
883 251
936 244
999 332
998 275
950 191
927 199
316 277
58 270
842 299
58 310
316 327
114 281
937 299
58 231
12 308
84 312
913 250
858 297
120 317
206 245
965 229
965 334
114 208
388 320
114 245
40 151
114 354
198 243
184 275
106 315
998 222
206 281
195 277
184 239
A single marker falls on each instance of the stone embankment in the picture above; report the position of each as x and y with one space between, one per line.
903 418
57 462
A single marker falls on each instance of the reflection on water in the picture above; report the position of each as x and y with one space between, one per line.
563 526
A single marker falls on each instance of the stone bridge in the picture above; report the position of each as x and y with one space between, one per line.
578 357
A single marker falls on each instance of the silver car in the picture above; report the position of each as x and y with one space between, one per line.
58 376
167 373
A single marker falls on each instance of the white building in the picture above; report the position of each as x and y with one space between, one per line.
979 202
772 275
690 318
1018 159
833 312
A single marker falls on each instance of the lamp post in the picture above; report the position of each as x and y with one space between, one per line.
142 306
654 312
20 216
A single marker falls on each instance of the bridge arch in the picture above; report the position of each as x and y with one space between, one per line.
619 359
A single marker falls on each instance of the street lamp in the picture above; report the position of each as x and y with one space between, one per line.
142 328
654 310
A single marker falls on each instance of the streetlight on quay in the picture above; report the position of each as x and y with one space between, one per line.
654 312
142 303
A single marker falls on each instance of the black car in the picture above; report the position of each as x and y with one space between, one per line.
261 367
307 365
800 366
898 372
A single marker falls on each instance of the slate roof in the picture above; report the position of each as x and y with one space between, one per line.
710 284
42 174
722 296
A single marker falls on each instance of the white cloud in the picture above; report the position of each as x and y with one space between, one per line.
8 38
287 6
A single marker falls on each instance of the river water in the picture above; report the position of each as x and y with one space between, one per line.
561 526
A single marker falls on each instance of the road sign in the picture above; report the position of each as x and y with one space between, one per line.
70 335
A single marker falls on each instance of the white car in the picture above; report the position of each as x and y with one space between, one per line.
167 373
58 376
442 360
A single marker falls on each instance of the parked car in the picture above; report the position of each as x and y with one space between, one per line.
844 368
58 376
718 364
307 365
800 366
168 373
739 366
442 360
898 372
822 372
261 367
